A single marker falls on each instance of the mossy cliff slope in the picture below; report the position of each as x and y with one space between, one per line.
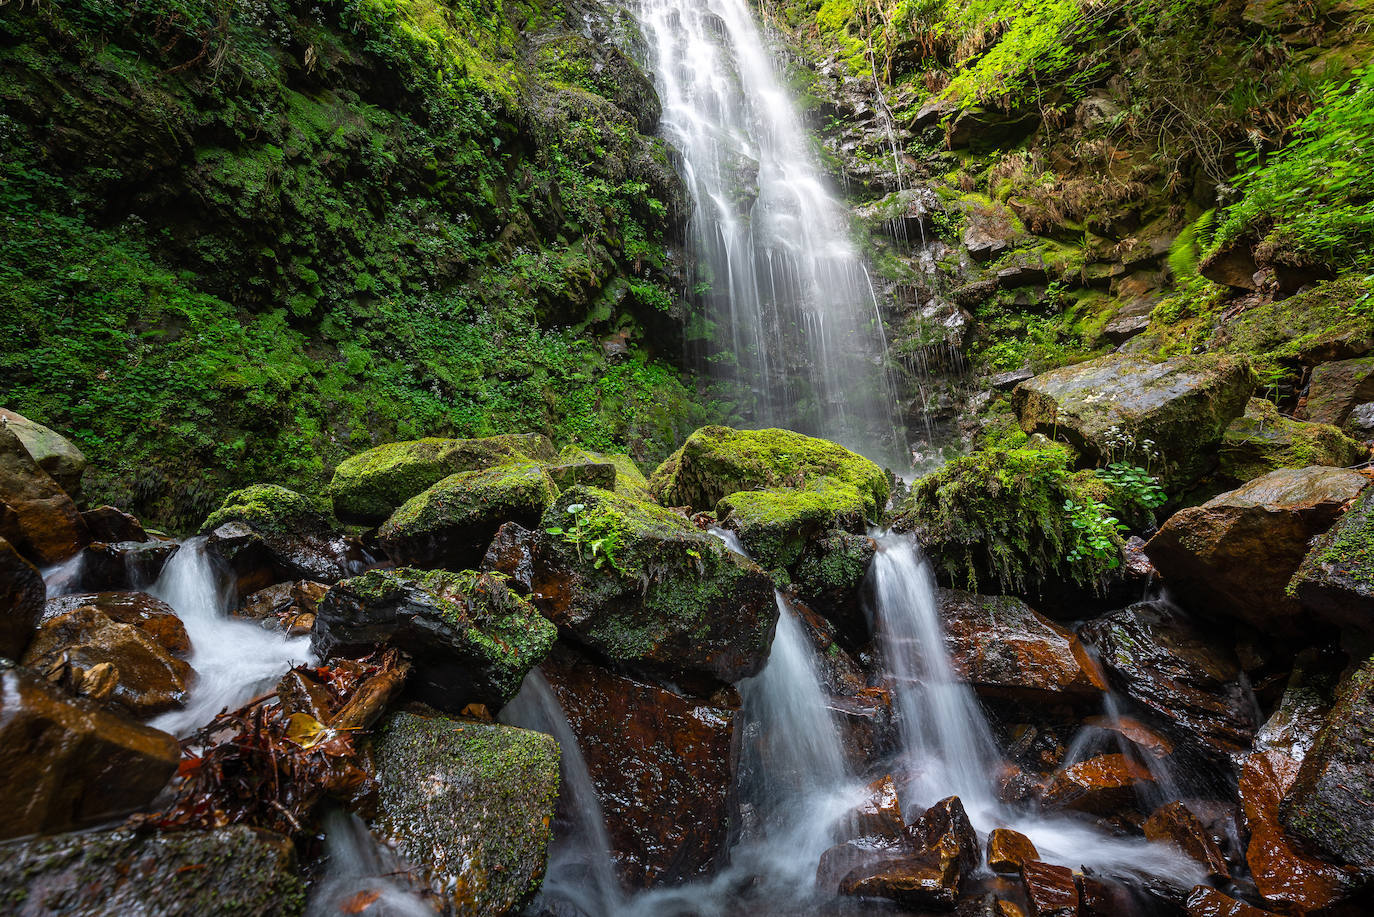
241 241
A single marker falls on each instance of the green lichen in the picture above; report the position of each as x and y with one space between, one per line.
268 508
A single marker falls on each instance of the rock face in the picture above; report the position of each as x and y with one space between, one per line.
661 765
656 595
234 870
1183 406
54 453
1328 807
371 485
471 639
1175 823
36 515
1004 648
715 462
1235 554
1104 785
1264 440
451 523
829 577
1336 578
469 804
1336 389
267 534
1170 667
66 761
21 601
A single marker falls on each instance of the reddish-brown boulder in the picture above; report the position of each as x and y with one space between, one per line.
1103 785
21 601
1205 901
1006 649
1235 554
880 812
1337 388
918 881
945 831
1174 823
288 607
67 761
1008 850
1050 890
112 525
661 765
36 515
149 614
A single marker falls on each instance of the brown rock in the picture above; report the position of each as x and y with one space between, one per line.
1137 733
1008 850
880 813
66 761
1205 901
918 881
1233 265
36 515
111 525
289 607
21 601
944 831
1337 387
53 452
1235 554
67 647
1050 890
1174 823
1103 784
107 566
661 765
1004 648
149 614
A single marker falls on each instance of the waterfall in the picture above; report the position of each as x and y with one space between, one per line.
785 279
234 660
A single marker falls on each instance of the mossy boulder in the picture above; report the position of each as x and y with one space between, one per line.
470 805
470 637
775 525
451 523
1125 407
234 870
997 518
1263 440
715 462
267 533
646 589
53 452
1336 577
629 480
268 508
1320 325
368 487
829 577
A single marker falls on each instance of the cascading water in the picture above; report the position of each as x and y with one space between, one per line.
784 277
234 660
362 875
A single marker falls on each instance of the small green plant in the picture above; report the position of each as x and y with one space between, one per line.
1135 484
1096 534
598 533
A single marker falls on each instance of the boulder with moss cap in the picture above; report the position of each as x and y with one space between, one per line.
368 487
451 523
715 462
471 638
468 804
629 480
1263 440
775 525
268 533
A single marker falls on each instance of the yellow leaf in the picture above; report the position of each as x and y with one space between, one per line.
306 731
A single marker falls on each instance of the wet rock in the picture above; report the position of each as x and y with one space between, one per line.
661 765
941 848
267 534
469 805
829 577
866 724
1183 406
1264 440
1235 554
1328 807
66 761
21 601
37 517
945 831
1005 649
1360 423
666 599
1174 823
87 652
107 566
1050 890
1336 389
234 870
470 637
1233 264
451 523
54 453
288 607
368 487
1128 729
911 881
111 525
1103 785
775 525
1009 850
1160 660
139 609
1205 901
1336 577
715 462
879 814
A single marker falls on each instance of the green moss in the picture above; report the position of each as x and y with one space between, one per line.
629 480
774 525
513 490
717 461
270 509
1264 440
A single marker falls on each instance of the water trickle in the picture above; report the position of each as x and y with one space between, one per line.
234 660
361 875
64 578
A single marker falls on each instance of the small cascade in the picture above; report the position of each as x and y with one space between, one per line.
65 578
234 660
361 875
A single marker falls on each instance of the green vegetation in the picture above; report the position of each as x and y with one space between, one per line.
269 509
599 531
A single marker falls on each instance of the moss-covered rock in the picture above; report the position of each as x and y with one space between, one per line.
1323 324
471 638
774 525
1264 440
268 533
1336 388
715 462
451 523
829 576
234 870
53 452
368 487
1124 407
1336 578
269 509
469 804
999 518
629 480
